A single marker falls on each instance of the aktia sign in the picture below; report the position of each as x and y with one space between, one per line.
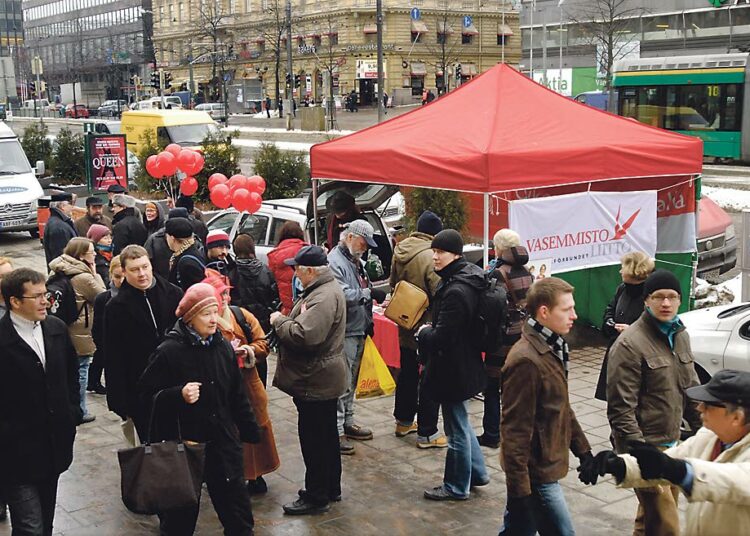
587 229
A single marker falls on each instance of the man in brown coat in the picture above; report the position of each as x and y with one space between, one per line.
538 424
312 368
94 214
650 365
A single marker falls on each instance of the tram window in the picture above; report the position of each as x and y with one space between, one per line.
731 111
698 108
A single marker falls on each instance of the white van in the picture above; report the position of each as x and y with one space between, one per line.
19 188
42 104
170 102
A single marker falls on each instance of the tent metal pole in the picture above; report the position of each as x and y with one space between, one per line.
486 232
315 209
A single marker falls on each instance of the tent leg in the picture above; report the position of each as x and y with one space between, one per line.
486 232
315 210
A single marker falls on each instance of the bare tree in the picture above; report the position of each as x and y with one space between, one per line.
445 52
209 24
272 30
607 25
328 59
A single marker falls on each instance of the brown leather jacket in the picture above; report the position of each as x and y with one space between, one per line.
646 382
538 425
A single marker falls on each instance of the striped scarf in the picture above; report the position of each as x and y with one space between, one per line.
556 342
182 249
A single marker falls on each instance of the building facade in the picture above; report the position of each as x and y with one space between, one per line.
11 48
427 44
563 42
99 43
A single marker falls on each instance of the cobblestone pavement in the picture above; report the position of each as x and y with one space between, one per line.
382 482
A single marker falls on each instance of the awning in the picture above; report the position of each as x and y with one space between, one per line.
504 29
314 33
417 26
468 69
260 39
444 28
299 36
469 30
331 32
418 68
370 28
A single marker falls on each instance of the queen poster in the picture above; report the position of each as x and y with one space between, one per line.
106 161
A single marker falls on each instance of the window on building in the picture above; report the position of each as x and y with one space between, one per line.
416 37
466 39
417 85
442 38
502 40
333 39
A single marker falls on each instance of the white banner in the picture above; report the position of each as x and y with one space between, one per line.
588 229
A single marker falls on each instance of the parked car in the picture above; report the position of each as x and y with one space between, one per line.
112 108
38 104
214 109
719 338
717 243
77 111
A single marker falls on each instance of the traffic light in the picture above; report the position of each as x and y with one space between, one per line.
44 86
288 79
458 70
155 79
297 80
167 80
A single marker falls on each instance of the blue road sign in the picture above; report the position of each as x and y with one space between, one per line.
415 13
467 21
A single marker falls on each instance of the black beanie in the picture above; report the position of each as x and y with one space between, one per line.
429 223
179 212
179 228
449 240
661 280
185 201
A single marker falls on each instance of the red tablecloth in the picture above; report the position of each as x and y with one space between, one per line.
386 339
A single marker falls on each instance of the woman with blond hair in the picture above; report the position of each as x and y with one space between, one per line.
626 306
78 262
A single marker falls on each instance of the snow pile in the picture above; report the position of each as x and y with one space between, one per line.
707 295
728 198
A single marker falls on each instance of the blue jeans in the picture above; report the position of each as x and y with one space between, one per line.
83 380
353 348
464 462
549 515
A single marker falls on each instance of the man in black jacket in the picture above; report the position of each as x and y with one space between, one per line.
187 265
454 371
157 247
59 228
135 322
127 227
39 403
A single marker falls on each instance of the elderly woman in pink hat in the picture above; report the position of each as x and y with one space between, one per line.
101 236
194 372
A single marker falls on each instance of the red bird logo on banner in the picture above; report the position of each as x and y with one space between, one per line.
622 230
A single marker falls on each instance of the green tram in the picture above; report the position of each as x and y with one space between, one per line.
702 96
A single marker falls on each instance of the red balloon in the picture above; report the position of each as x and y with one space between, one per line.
173 148
236 182
256 183
188 186
152 167
167 163
241 199
220 196
216 178
199 163
189 161
254 203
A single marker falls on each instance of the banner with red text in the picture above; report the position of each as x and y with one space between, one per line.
587 229
106 161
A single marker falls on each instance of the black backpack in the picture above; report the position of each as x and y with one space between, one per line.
61 299
240 318
492 313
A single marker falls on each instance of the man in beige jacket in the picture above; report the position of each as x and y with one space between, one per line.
711 468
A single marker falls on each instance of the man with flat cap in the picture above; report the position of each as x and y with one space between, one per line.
127 225
712 468
59 228
650 366
312 369
114 189
94 214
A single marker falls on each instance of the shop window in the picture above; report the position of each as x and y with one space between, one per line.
333 39
466 39
442 38
417 85
502 40
416 37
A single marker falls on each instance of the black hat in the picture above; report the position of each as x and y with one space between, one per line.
429 223
727 385
179 228
94 201
117 189
179 212
449 240
341 201
309 256
186 202
62 196
661 280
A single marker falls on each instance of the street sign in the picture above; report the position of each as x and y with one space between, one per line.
415 13
467 21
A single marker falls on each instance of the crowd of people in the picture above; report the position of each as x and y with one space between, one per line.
179 322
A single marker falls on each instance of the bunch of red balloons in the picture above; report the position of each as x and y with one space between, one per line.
173 158
243 193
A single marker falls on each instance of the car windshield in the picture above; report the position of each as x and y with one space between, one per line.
13 161
192 134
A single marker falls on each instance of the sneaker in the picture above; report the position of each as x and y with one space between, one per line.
257 486
440 442
334 498
441 494
87 418
487 442
403 430
301 507
354 431
479 483
346 448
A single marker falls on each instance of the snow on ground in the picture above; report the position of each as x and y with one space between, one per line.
708 294
728 198
266 130
283 145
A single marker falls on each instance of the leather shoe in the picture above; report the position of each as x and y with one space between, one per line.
257 486
335 498
346 448
301 507
487 442
439 493
354 431
87 418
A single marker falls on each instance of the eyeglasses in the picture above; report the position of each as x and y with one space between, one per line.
36 297
659 298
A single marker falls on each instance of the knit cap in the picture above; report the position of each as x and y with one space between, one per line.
178 227
196 298
429 223
661 280
217 238
449 240
96 232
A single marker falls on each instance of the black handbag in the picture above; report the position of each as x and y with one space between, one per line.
156 477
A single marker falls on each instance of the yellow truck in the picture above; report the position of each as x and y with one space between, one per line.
186 128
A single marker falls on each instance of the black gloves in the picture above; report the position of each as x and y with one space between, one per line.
378 295
272 338
606 462
655 464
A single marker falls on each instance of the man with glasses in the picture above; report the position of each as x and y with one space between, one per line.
650 366
39 402
711 468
